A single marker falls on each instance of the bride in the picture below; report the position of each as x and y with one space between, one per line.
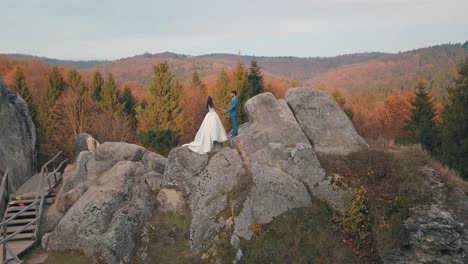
210 130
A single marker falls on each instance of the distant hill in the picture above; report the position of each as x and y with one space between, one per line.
370 74
79 64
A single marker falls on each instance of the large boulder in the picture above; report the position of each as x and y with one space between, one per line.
270 120
17 138
286 178
117 151
104 201
182 165
324 123
435 237
105 220
206 180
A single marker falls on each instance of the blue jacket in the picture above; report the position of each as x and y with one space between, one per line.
233 107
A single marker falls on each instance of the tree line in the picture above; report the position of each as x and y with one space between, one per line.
415 117
170 115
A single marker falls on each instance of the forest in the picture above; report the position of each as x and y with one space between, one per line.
158 101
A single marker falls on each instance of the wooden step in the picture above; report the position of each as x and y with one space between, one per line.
28 202
23 202
23 215
17 209
23 236
12 229
20 222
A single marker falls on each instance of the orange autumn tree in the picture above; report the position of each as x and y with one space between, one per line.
397 109
194 108
385 120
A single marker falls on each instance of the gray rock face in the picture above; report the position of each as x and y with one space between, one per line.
270 120
154 162
104 220
209 196
117 151
182 165
85 142
436 233
285 178
17 138
274 193
324 123
435 237
170 200
207 181
104 202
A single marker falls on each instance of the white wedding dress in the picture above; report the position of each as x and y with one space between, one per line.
210 130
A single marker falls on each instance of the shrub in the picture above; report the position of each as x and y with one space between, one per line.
160 141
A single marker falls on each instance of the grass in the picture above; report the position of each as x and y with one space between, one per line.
394 183
55 257
169 238
303 235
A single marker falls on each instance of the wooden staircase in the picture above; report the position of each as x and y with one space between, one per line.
20 227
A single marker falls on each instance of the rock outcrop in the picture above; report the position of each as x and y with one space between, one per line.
207 181
105 197
437 232
324 123
274 163
85 142
17 138
272 167
270 120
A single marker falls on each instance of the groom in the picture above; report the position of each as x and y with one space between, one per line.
233 112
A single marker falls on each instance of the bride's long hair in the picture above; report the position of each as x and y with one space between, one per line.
209 103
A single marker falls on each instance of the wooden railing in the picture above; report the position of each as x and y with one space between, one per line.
41 193
38 202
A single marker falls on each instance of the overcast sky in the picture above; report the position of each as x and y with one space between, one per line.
98 29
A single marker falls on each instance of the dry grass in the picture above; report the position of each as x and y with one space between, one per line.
395 183
303 235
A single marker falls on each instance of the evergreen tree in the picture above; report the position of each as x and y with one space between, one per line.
421 123
20 87
222 96
162 115
76 83
96 86
127 100
110 96
54 87
465 45
255 79
241 85
454 148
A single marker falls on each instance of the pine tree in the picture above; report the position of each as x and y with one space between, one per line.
96 86
162 115
222 96
421 123
110 96
241 85
454 147
55 86
127 100
255 79
20 87
76 82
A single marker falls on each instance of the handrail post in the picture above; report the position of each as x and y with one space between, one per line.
4 228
